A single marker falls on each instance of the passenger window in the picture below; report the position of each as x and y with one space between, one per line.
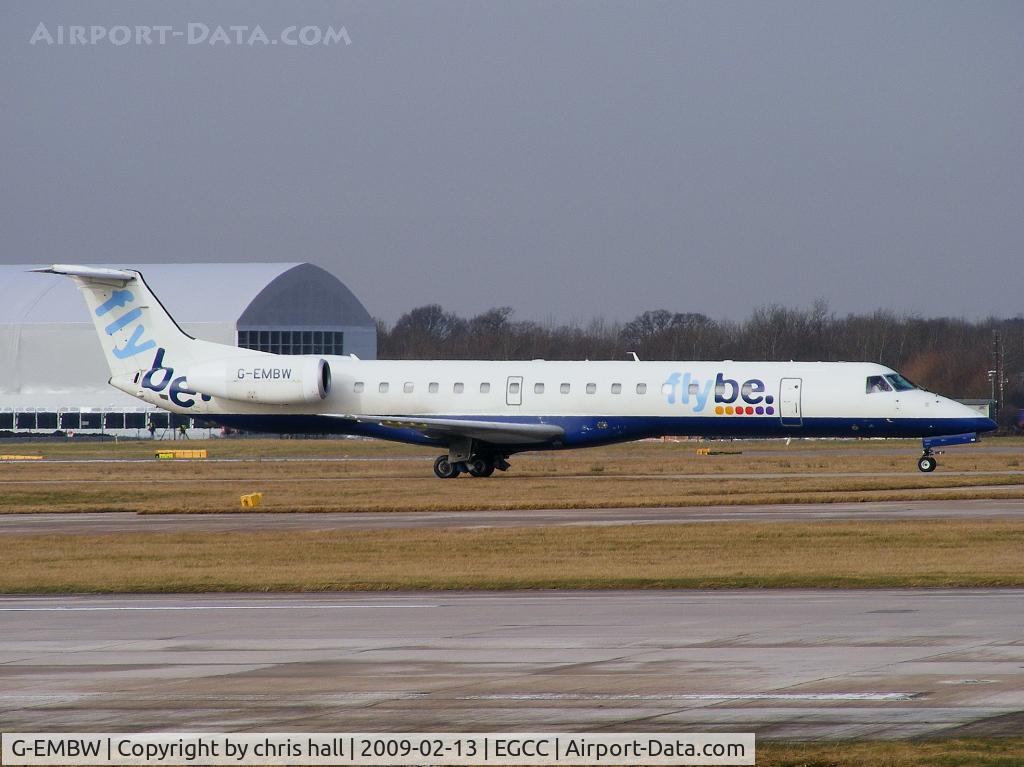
432 387
357 387
407 388
877 384
485 388
641 388
694 389
538 388
616 388
513 388
383 388
564 388
666 388
591 388
458 388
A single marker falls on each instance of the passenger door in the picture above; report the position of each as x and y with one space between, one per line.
789 402
514 390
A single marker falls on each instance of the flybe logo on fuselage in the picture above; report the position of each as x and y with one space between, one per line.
135 344
727 394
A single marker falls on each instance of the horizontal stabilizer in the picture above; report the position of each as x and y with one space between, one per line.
96 273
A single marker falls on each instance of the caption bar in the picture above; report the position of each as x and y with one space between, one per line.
48 748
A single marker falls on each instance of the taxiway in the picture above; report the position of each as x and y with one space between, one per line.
784 664
87 523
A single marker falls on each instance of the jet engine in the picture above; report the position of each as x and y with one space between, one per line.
268 380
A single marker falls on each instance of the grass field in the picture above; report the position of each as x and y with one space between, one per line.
307 476
830 554
967 752
376 476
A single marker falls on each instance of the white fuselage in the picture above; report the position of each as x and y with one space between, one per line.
609 401
484 409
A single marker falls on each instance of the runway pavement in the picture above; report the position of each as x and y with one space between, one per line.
119 522
784 664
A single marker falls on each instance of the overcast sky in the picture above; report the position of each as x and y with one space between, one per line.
570 160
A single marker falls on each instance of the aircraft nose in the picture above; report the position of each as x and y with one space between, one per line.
980 422
977 421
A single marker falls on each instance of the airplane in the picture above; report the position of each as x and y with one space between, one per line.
483 412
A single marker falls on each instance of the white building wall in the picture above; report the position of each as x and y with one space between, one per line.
62 365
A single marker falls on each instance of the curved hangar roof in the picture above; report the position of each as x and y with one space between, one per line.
266 295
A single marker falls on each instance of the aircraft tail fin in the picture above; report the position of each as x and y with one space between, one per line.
130 321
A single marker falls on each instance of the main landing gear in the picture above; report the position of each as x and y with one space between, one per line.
464 457
479 465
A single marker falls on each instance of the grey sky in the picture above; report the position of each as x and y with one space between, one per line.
570 160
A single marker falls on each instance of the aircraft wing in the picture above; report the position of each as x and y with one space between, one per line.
495 432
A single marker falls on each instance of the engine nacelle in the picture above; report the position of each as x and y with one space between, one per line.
271 380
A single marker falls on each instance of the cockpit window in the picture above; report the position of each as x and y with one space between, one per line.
899 383
876 384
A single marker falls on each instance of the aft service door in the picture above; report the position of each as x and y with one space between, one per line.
789 402
514 390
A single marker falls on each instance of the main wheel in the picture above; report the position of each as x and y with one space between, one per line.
445 469
481 466
927 463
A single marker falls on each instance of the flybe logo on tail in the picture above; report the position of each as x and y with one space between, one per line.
728 395
135 344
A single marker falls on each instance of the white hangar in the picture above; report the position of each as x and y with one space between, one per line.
52 370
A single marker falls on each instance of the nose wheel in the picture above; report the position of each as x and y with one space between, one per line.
927 462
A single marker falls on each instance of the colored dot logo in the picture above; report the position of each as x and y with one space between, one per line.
744 410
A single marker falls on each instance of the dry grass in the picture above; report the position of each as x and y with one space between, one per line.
185 491
384 477
958 752
833 554
255 448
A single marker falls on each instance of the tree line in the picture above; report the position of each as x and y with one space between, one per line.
947 355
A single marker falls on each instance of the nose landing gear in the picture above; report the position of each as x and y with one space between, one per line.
927 461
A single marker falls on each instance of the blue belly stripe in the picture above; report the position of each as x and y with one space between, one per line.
588 431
